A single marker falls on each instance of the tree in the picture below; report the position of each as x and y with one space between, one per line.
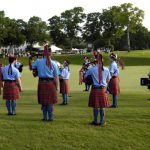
36 31
130 17
56 30
92 28
141 38
2 28
111 27
72 20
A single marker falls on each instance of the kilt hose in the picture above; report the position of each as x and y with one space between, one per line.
47 93
64 87
113 86
98 98
10 90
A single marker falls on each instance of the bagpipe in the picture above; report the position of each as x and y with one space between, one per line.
82 71
31 56
34 71
97 60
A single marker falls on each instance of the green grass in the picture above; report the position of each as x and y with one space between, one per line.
127 128
133 58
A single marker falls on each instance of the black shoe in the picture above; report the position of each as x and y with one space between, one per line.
50 120
93 123
9 114
112 106
85 90
62 104
44 119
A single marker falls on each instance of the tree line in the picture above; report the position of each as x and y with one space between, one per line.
119 27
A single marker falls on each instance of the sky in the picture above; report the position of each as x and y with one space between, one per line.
45 9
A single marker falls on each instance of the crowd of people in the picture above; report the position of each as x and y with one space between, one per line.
99 79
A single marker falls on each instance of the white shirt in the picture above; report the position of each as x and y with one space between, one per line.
114 69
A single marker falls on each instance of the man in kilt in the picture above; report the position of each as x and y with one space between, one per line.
114 88
98 98
12 85
47 71
86 65
64 84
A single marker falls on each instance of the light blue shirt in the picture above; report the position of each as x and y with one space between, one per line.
114 69
65 73
15 73
94 73
43 70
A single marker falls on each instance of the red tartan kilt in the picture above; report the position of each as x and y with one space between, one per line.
64 87
47 93
10 91
114 87
99 98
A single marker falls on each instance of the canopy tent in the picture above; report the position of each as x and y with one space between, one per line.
55 48
36 45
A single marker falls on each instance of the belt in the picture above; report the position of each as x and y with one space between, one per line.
9 80
100 87
46 79
63 79
114 76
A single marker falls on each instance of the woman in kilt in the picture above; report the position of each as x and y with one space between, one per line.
64 86
47 71
98 98
12 85
114 88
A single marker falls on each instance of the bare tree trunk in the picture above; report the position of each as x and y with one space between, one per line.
11 49
109 42
128 38
71 44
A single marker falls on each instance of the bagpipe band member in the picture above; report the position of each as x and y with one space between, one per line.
114 87
98 98
47 71
12 85
64 84
87 65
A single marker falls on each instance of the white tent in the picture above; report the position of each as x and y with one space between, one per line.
55 48
75 49
36 45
